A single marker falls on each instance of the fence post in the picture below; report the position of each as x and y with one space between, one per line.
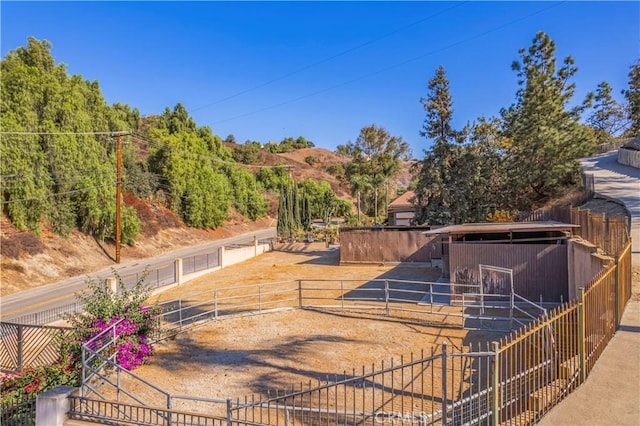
112 285
495 385
300 294
221 257
617 292
511 305
229 420
180 312
255 246
178 271
444 384
215 304
386 296
20 348
581 335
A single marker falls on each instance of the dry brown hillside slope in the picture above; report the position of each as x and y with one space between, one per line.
27 261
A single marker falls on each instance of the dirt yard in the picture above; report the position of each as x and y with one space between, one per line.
254 354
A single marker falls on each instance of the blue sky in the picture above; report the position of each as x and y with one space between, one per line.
267 70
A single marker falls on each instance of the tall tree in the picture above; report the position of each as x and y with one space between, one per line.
546 138
375 158
608 116
632 95
63 176
438 189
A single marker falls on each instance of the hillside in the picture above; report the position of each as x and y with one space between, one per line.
28 261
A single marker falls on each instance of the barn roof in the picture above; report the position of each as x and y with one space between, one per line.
502 227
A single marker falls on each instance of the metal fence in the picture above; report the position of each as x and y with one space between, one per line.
25 346
21 412
427 302
160 277
48 315
515 382
101 411
543 362
438 387
200 262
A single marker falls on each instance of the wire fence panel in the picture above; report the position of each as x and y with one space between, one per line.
200 262
47 316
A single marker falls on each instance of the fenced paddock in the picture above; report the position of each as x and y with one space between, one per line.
515 381
519 379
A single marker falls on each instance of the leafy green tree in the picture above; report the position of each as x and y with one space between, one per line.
248 153
484 177
196 190
67 176
247 199
273 178
375 158
632 96
546 137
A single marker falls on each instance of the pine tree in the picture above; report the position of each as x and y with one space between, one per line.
546 138
438 190
632 95
608 116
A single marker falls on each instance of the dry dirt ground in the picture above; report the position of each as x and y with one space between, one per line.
252 354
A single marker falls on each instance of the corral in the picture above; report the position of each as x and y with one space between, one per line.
349 332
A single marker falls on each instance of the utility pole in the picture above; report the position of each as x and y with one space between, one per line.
118 194
358 208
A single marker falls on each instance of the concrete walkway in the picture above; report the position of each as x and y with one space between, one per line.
621 182
611 393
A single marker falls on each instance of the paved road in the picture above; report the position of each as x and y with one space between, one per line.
621 182
611 394
61 293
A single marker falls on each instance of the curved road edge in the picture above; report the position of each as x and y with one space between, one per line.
62 292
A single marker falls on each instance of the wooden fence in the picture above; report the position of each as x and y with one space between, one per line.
611 234
543 362
388 245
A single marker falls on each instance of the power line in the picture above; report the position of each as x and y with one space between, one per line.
329 58
54 195
399 64
114 133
